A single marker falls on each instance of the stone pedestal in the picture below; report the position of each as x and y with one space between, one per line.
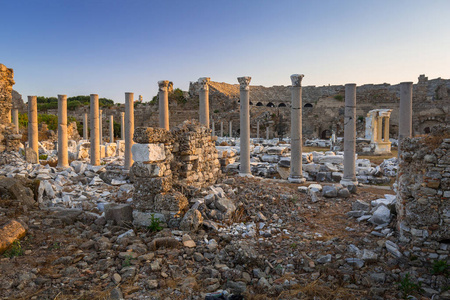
129 129
204 101
163 104
33 125
111 129
244 83
122 125
15 119
63 153
349 136
95 132
85 126
296 175
405 113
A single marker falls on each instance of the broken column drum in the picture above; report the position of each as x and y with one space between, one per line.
111 129
85 126
244 83
296 174
129 129
204 101
95 138
405 112
349 135
163 104
63 154
33 124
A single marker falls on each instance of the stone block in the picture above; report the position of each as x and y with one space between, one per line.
120 213
174 202
329 191
143 169
31 156
152 135
110 149
10 232
153 185
148 152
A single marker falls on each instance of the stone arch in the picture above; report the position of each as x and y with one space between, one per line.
307 105
259 104
325 135
270 104
281 105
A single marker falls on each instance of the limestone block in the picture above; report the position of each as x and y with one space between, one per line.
10 232
83 150
153 186
102 151
110 149
31 156
270 158
191 220
283 171
148 152
142 169
173 202
151 135
334 159
311 168
120 147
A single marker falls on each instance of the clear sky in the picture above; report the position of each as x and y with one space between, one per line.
109 47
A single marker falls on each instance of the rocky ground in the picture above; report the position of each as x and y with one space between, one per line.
280 243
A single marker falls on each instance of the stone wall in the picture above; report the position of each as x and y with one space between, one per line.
9 140
423 203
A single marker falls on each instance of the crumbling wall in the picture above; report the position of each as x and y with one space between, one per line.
9 140
423 204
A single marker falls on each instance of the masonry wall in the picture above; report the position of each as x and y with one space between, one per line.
9 141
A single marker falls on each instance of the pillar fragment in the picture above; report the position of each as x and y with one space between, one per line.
33 125
163 104
63 153
129 129
244 83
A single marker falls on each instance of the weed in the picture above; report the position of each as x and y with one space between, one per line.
56 246
216 111
43 157
154 224
14 250
406 286
294 245
127 261
440 267
339 97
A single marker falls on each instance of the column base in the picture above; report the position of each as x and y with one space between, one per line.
249 175
296 179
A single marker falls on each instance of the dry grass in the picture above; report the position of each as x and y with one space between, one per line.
378 159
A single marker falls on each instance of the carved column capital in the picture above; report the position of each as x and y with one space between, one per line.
204 83
244 82
163 85
297 79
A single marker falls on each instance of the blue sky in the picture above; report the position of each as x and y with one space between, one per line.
111 47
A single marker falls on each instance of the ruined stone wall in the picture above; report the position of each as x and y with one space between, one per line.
9 141
423 203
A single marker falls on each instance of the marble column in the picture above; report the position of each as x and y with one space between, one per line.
257 130
85 126
386 129
129 129
379 128
100 126
405 112
221 129
63 153
204 100
33 132
244 83
95 132
350 136
296 175
111 129
163 104
230 129
122 125
15 119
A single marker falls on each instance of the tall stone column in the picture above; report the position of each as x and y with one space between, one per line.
15 118
111 129
405 112
85 126
163 104
63 153
95 132
267 132
244 159
350 136
100 125
379 128
221 129
33 125
257 130
204 100
129 128
122 125
296 175
386 129
230 129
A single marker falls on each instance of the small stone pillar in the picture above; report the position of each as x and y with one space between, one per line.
244 83
405 112
63 153
230 129
111 129
100 126
163 104
95 132
257 130
122 125
296 175
267 132
204 100
85 126
350 136
386 129
129 128
221 129
33 125
15 118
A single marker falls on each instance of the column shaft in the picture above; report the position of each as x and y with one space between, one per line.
15 117
63 153
95 132
405 112
257 130
163 104
111 129
296 174
85 126
100 126
122 125
33 124
230 129
213 133
129 129
386 129
204 101
221 129
379 129
267 132
349 135
244 126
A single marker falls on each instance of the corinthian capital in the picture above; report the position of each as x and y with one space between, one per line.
297 79
163 84
204 83
244 82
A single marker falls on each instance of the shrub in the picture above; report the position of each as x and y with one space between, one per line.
339 97
14 250
440 267
154 224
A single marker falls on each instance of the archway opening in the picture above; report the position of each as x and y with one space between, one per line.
270 104
307 105
281 105
259 104
326 134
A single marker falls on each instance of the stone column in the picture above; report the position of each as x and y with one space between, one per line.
267 132
63 153
15 118
85 126
204 100
213 133
244 159
379 128
296 175
163 104
257 130
100 126
129 128
350 136
33 125
221 129
405 112
122 125
386 129
230 129
111 129
95 132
